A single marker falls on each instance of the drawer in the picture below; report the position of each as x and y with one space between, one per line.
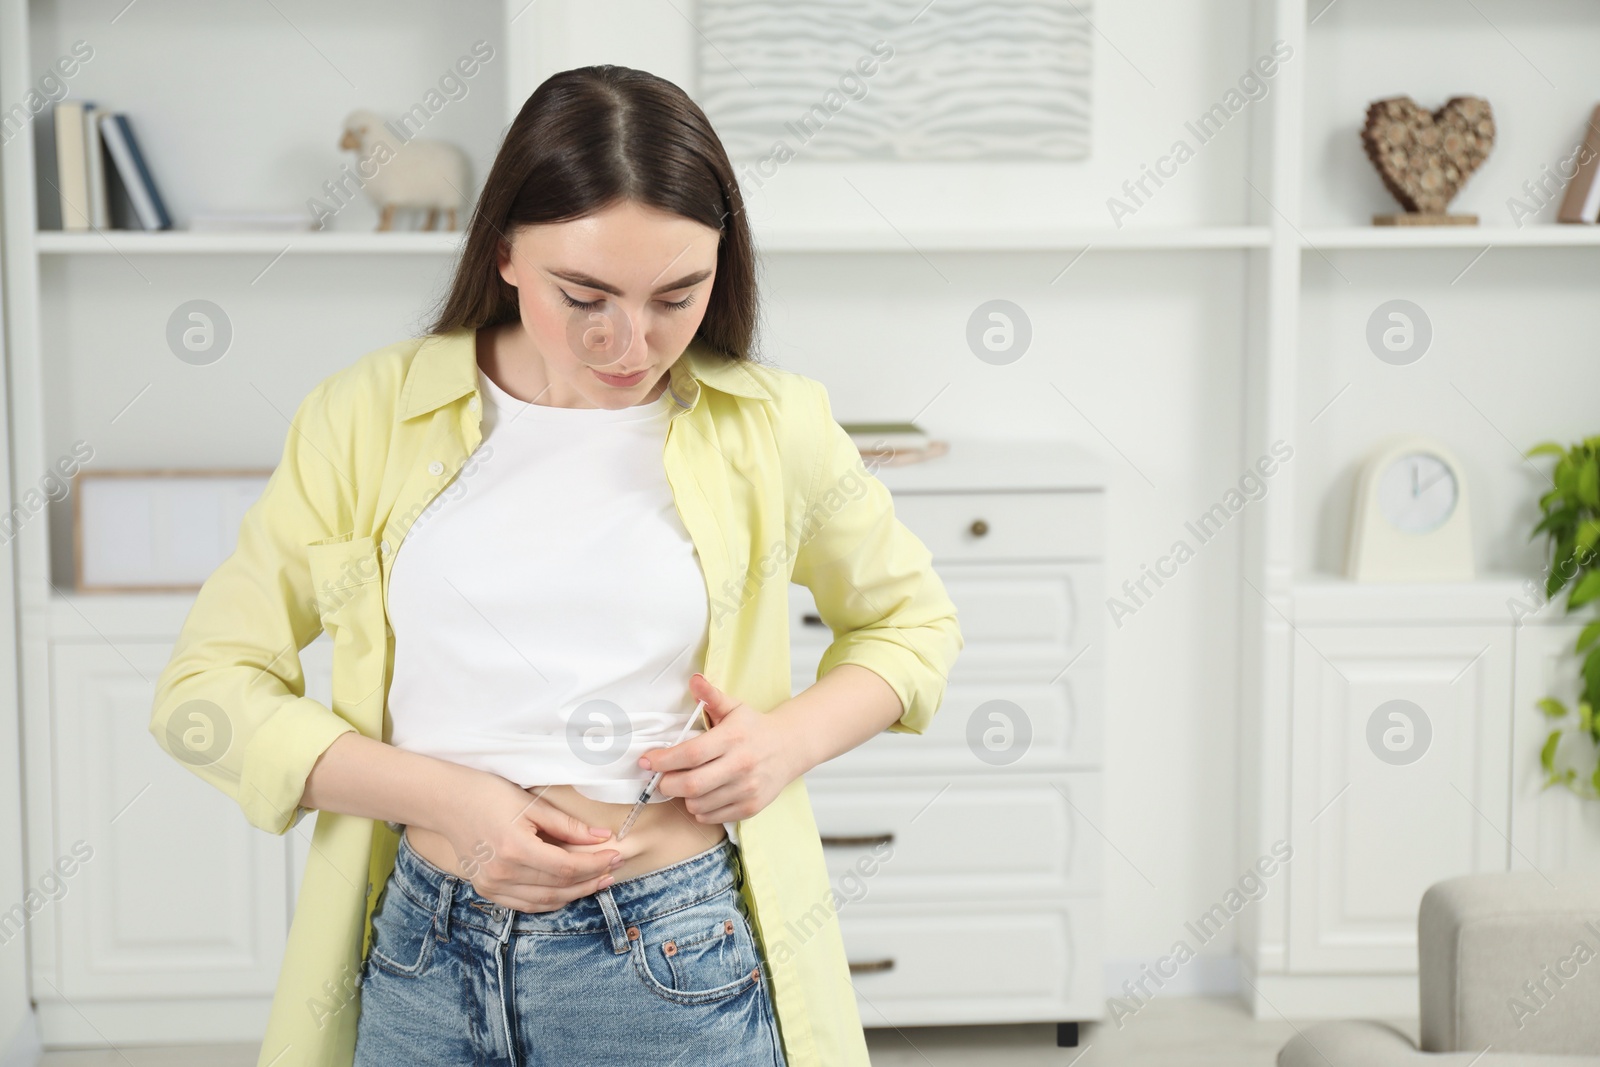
1006 526
994 724
999 836
926 964
1011 615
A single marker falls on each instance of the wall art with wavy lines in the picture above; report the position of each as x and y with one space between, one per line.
954 80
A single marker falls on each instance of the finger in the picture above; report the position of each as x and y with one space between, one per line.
731 813
692 752
696 781
519 897
554 867
559 824
723 798
718 703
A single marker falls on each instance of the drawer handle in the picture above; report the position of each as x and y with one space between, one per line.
868 966
979 527
857 841
811 619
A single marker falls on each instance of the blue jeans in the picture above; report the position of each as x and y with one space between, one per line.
659 969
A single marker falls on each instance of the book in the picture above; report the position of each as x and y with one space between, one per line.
886 436
72 170
45 200
123 148
1582 202
94 154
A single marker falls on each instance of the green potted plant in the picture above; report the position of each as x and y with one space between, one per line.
1571 754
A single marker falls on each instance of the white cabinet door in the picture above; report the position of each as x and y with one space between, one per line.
181 897
1552 829
1401 740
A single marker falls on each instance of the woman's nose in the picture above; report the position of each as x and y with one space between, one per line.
609 335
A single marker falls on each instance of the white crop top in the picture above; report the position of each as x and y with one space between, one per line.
548 606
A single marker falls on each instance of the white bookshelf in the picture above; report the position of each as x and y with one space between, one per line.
1275 220
773 240
1421 237
166 243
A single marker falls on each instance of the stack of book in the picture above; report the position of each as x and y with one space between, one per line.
96 167
893 443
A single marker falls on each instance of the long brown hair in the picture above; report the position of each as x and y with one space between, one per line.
585 139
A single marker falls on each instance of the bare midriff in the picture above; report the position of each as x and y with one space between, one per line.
665 833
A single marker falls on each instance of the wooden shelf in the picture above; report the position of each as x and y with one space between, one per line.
1539 236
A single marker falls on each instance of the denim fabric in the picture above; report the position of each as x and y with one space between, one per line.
659 969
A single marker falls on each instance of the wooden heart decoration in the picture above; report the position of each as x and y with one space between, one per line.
1424 159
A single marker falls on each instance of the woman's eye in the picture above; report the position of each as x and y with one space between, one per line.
571 303
591 304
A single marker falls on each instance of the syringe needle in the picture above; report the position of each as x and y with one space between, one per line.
655 779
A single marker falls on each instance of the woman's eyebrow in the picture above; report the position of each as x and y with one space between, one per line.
588 282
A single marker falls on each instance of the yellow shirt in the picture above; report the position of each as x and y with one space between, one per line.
771 490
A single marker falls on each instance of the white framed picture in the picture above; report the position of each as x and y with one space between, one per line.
156 530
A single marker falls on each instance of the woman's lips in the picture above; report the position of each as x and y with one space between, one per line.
621 381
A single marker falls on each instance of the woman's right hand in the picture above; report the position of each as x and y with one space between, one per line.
494 827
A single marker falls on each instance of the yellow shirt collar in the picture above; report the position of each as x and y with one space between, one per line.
445 368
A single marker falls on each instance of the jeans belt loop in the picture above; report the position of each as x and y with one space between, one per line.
441 909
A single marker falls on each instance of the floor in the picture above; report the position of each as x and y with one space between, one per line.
1176 1032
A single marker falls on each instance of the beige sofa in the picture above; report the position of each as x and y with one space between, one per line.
1509 969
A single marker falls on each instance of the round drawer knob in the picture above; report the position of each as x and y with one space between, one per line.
979 527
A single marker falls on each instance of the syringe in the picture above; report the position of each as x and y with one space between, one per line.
655 779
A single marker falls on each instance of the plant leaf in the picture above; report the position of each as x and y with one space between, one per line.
1588 635
1560 517
1587 589
1546 448
1553 708
1589 482
1547 754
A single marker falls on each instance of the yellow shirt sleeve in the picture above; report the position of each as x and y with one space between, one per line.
230 705
873 579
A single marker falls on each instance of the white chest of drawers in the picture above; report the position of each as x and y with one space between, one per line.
966 859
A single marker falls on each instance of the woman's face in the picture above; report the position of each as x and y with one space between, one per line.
609 301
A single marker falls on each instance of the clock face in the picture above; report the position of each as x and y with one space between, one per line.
1417 493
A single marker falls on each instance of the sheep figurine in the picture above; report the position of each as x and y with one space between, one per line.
398 173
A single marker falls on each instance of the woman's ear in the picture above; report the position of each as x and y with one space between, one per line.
502 257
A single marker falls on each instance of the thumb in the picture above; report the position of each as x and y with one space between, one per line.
718 703
558 824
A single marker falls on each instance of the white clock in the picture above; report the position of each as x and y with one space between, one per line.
1411 521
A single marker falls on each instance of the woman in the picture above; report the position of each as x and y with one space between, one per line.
541 538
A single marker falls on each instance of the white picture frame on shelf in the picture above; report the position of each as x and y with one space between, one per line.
156 530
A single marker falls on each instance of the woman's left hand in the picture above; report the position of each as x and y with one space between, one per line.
731 770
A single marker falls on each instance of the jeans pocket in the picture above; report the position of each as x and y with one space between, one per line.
402 935
698 955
